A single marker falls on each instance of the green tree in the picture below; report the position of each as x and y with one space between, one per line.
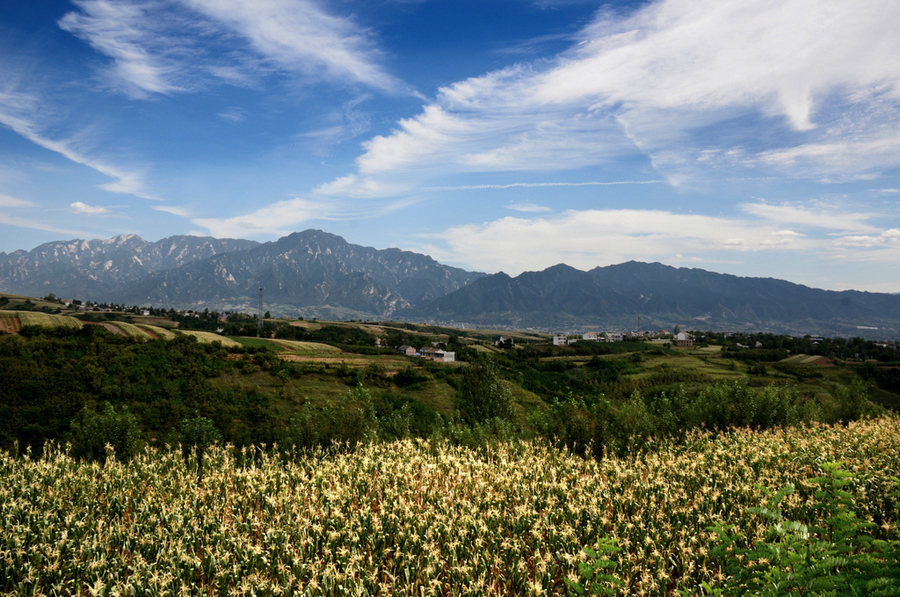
197 435
97 435
483 395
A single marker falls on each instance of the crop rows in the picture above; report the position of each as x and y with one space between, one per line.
413 517
9 323
47 320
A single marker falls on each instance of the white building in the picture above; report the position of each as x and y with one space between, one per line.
683 339
445 356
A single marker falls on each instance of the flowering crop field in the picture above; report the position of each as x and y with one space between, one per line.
413 517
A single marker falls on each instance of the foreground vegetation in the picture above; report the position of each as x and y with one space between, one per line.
151 455
425 517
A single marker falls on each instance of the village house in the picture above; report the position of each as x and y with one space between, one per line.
560 340
427 352
435 354
407 350
503 340
684 339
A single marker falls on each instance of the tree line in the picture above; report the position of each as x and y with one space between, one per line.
93 388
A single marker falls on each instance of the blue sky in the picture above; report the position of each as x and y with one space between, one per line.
751 137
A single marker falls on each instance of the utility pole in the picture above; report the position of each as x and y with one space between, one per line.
259 314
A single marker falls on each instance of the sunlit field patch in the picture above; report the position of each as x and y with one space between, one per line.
131 330
157 332
209 337
300 347
47 320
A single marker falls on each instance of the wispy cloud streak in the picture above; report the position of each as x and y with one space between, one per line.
19 111
167 46
537 185
145 56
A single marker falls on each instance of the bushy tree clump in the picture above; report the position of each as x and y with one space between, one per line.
483 395
96 435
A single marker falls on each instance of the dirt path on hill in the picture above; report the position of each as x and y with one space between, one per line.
108 326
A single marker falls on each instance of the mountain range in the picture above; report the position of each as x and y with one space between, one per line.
615 296
317 274
310 274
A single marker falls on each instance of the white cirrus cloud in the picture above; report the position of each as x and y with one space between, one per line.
528 207
888 238
24 114
174 210
298 35
167 46
276 219
816 215
9 201
146 57
679 81
778 55
601 237
91 210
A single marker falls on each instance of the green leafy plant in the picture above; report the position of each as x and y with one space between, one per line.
197 435
95 435
595 577
835 556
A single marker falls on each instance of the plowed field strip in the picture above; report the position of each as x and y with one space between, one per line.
108 326
9 324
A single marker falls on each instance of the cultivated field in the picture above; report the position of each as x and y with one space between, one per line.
46 320
9 324
416 517
209 337
313 348
155 331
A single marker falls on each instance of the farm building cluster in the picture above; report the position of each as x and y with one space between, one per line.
680 339
429 353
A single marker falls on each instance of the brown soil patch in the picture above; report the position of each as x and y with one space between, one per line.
337 359
108 326
10 324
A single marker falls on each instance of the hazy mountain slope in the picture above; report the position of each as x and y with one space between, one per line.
661 296
98 269
317 274
310 273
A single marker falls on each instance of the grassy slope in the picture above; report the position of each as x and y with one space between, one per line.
700 366
47 320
